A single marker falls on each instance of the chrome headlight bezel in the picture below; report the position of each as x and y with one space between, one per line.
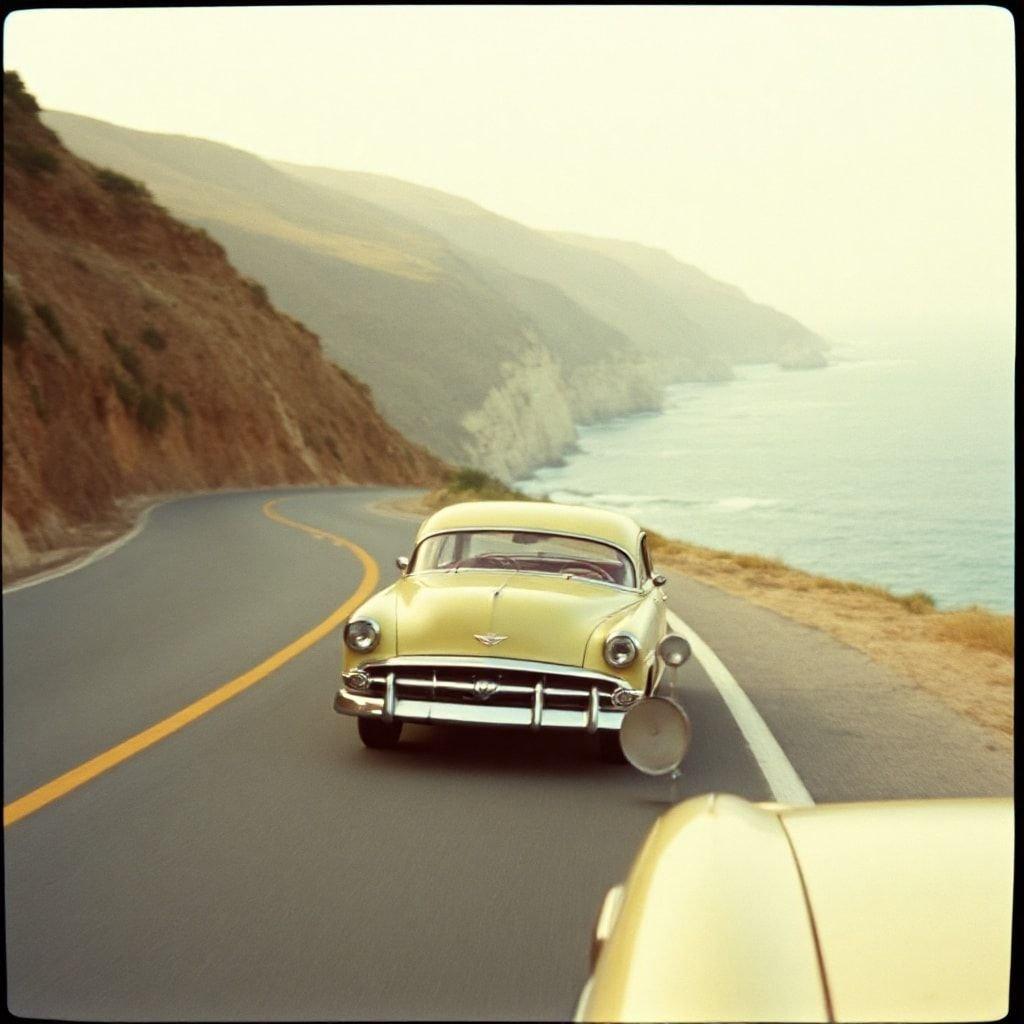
628 647
674 650
365 627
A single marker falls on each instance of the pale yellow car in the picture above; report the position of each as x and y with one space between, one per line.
885 911
509 613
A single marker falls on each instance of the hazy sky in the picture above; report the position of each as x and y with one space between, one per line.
850 165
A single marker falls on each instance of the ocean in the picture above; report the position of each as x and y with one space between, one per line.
891 471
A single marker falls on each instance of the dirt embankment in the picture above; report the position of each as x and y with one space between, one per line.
137 361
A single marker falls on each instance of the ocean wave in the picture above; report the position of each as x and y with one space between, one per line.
743 504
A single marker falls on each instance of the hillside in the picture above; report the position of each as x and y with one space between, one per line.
741 331
137 360
482 364
694 326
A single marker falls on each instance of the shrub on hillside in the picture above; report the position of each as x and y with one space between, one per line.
130 361
259 291
474 484
151 410
153 338
918 603
16 93
15 318
46 313
126 390
40 406
121 184
34 159
177 399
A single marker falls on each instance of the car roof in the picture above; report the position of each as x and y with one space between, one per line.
546 516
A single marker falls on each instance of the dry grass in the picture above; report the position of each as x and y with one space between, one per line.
979 628
964 656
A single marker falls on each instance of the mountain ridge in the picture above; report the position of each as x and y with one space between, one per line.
486 340
137 360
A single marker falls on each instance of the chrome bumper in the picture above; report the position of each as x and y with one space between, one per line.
389 708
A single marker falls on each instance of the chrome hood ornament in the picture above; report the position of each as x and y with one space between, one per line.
489 639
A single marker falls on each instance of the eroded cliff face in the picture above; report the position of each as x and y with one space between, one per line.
602 390
525 420
136 360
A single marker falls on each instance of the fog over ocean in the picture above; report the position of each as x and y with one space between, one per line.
895 471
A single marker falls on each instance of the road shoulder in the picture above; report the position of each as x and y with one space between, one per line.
851 728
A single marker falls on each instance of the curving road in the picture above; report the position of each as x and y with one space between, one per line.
178 850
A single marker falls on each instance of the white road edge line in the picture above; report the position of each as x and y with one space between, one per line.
92 557
781 776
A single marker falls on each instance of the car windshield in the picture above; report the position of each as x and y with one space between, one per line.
524 551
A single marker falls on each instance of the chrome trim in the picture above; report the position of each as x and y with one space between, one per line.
687 650
489 639
389 698
616 636
497 664
606 917
358 680
346 703
429 713
499 688
626 697
519 529
593 710
538 706
376 629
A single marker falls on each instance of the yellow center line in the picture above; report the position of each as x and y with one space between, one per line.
58 787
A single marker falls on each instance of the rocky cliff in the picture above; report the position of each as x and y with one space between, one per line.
444 337
137 360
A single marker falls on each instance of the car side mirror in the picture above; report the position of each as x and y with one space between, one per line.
659 580
403 563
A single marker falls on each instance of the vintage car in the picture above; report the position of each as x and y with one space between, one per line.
509 613
886 911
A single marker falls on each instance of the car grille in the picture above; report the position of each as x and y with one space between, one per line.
511 688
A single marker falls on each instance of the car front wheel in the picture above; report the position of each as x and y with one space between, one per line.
379 735
610 747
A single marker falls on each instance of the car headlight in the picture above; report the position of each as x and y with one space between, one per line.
621 649
362 635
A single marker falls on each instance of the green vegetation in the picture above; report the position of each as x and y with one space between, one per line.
151 410
475 485
126 356
153 338
177 399
126 390
34 159
40 406
16 93
46 313
259 292
148 405
15 318
121 184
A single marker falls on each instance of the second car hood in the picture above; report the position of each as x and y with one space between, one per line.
544 617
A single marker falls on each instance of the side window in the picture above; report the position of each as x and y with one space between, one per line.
648 568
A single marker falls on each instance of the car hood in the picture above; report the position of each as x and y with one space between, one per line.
542 617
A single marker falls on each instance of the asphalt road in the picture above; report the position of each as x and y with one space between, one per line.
258 863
